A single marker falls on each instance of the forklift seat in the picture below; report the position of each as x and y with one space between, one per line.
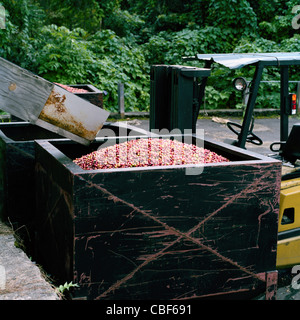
290 149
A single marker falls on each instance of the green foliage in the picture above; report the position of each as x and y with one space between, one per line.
86 14
119 61
66 287
62 55
104 42
23 20
169 48
234 15
215 99
124 24
102 59
258 45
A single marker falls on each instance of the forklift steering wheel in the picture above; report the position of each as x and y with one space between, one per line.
252 138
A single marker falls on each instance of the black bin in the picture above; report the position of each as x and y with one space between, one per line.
174 96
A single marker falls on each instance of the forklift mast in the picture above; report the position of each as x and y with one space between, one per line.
176 95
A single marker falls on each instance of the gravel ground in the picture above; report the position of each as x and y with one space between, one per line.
20 278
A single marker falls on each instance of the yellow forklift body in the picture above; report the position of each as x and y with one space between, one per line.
288 246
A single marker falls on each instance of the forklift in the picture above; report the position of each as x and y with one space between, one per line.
187 93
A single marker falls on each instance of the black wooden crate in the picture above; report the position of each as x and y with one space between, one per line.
94 96
17 161
156 232
17 170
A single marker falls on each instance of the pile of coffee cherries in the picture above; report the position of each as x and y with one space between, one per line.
147 152
72 89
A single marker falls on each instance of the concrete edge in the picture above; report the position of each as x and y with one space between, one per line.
21 278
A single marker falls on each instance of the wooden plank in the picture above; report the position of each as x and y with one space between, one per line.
36 100
22 93
71 116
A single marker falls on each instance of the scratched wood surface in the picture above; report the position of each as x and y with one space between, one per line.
17 181
17 154
22 93
38 101
157 234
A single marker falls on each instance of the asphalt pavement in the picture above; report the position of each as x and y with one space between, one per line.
215 128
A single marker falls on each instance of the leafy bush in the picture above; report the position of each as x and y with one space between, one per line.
234 15
169 48
103 59
23 21
110 41
119 61
62 55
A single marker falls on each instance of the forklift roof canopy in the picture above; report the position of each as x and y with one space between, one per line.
239 60
261 60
